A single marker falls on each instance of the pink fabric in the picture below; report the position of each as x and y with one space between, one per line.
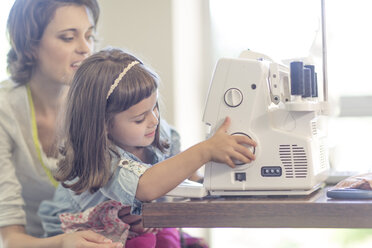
147 240
164 238
192 242
168 237
102 219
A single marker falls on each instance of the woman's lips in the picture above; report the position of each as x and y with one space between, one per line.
76 65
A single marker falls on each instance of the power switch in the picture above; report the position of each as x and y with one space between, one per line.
240 176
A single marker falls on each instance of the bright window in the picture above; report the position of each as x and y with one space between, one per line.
5 6
289 29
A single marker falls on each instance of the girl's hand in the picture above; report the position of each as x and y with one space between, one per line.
87 239
135 222
224 148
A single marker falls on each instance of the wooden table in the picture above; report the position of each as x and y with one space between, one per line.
313 211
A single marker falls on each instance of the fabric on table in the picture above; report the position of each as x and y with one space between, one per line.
102 219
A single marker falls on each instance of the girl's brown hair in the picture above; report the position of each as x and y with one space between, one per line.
26 24
89 114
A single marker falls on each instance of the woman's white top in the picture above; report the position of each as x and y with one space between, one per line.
23 181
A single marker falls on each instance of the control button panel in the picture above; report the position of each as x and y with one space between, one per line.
271 171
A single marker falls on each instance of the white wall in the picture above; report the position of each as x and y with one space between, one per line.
143 27
173 36
193 67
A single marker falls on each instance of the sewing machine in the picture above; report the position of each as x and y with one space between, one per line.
277 107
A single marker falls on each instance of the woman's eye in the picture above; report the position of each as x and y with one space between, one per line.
67 39
91 38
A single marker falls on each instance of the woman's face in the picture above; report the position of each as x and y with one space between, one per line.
67 40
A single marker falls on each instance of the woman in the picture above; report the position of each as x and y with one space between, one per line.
49 39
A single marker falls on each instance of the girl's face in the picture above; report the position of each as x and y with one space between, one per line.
67 40
136 126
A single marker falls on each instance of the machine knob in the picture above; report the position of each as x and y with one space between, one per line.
233 97
252 148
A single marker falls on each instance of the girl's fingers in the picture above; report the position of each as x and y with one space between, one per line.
225 125
132 219
229 162
245 151
242 139
124 212
241 158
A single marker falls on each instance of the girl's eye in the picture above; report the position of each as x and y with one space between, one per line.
140 121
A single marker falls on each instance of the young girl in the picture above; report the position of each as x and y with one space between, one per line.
117 148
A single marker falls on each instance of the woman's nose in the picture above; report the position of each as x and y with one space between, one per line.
84 46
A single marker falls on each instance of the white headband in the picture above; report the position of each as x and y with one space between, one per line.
121 75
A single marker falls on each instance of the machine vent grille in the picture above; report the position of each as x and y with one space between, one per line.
323 158
294 161
313 128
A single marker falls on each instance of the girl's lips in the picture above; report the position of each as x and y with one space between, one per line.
150 134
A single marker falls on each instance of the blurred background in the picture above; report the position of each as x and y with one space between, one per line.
183 39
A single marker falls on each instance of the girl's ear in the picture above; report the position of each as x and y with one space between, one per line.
108 128
107 132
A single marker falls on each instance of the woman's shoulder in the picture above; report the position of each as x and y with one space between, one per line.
13 101
11 93
7 83
5 87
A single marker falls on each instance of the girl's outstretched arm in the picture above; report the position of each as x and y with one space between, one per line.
166 175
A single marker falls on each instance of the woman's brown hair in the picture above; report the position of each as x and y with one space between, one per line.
88 115
26 24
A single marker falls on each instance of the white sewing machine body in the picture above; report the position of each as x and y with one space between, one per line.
291 156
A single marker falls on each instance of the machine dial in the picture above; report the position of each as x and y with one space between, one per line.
252 148
233 97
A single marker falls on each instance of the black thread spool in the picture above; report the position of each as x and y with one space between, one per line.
297 78
307 82
314 81
315 92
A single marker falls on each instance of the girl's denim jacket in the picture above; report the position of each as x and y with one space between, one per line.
122 186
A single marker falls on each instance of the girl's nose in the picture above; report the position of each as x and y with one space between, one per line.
154 117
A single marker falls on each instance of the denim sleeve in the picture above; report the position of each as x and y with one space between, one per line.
123 184
168 133
49 211
175 143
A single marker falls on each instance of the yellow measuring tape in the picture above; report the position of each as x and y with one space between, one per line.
36 138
